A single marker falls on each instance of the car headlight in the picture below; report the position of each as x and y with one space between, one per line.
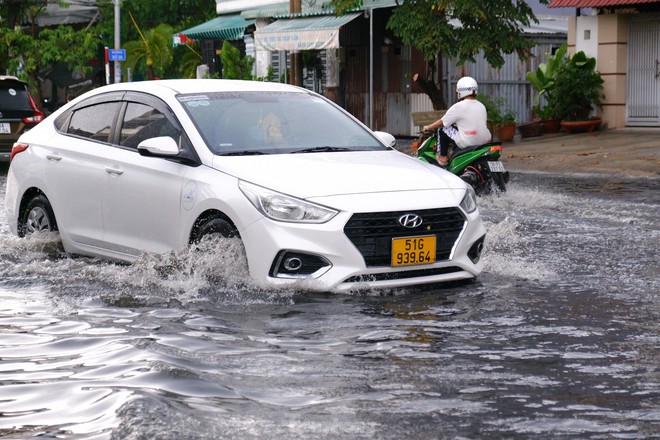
285 208
469 202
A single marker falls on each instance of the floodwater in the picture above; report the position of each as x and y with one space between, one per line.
559 338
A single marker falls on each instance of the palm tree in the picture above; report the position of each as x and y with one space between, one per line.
154 48
187 62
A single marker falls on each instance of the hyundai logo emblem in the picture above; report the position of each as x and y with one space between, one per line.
410 220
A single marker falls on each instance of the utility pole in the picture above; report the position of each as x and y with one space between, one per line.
117 39
295 6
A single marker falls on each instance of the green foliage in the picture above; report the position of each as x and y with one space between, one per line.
312 62
180 14
152 53
570 84
494 27
543 81
578 88
22 12
431 26
186 60
28 51
498 113
270 75
233 66
24 55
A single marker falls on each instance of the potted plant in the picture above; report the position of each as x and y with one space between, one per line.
550 118
531 128
578 91
501 121
543 81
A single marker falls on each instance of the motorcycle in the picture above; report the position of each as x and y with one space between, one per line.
479 165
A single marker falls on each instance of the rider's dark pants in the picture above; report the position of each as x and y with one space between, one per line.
445 142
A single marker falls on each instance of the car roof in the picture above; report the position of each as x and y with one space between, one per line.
187 86
11 79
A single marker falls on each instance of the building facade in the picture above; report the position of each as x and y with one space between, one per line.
624 37
362 66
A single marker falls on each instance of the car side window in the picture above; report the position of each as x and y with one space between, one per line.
143 122
94 122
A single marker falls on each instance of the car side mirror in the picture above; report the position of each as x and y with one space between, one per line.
158 146
386 138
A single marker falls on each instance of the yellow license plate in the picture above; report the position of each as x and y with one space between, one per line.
408 251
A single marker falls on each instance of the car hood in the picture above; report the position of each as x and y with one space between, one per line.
316 175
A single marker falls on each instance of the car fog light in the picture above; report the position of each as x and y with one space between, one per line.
292 263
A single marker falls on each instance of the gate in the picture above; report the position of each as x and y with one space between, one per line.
643 103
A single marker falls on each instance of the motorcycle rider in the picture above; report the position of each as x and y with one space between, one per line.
464 123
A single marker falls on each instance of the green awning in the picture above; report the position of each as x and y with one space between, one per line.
309 33
224 27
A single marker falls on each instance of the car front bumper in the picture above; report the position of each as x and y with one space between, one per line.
266 241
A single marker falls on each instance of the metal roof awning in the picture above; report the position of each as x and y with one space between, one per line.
595 3
83 11
308 33
224 27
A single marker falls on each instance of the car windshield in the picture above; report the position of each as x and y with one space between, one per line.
254 123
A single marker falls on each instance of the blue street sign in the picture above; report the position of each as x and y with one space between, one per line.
116 54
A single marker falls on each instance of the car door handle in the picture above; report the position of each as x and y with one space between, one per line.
54 157
114 171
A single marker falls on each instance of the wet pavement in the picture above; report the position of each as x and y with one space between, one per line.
621 152
557 339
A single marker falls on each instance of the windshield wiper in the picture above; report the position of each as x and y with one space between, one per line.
244 153
325 149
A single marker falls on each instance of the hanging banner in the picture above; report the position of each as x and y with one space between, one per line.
309 33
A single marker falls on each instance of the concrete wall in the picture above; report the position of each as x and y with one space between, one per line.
612 64
606 38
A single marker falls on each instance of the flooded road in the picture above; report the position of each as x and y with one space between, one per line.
558 338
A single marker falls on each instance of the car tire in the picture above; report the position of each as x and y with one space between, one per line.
38 216
211 226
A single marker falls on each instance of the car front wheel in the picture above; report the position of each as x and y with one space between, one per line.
37 217
212 226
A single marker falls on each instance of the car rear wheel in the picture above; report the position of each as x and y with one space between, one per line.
37 217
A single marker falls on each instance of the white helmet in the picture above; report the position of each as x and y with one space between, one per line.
466 86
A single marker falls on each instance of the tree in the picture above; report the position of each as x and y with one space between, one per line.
458 29
20 12
24 55
233 66
154 48
186 59
180 14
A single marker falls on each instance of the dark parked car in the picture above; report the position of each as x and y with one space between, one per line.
18 113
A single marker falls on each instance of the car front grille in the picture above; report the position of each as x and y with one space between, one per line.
372 233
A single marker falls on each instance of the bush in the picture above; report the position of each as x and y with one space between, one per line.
578 88
498 114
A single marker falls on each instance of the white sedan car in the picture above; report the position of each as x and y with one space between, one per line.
316 198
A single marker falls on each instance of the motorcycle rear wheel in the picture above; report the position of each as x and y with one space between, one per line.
500 180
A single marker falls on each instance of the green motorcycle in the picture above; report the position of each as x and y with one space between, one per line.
479 165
